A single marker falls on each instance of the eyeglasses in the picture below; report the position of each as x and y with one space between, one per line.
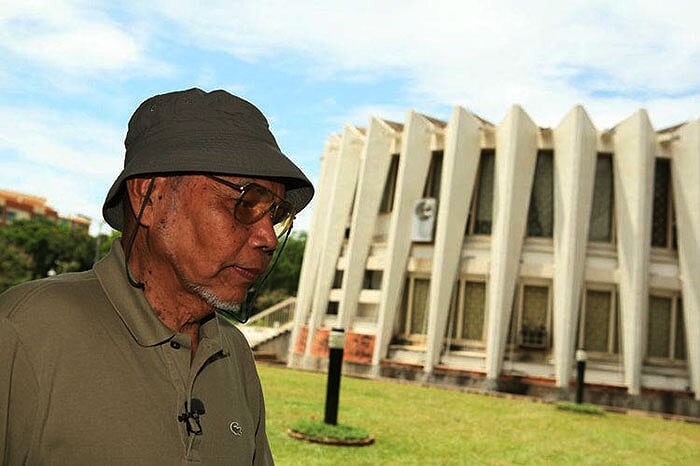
255 201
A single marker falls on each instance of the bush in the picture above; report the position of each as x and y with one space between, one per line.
319 429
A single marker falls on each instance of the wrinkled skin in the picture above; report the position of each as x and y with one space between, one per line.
190 252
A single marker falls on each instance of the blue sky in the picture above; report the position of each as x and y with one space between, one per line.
72 72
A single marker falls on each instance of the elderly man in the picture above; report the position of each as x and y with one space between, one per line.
136 362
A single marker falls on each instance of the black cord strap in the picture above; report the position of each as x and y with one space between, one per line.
130 243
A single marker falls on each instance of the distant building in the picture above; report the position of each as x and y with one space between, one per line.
477 254
18 206
76 222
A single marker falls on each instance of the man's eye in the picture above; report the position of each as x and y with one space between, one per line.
247 203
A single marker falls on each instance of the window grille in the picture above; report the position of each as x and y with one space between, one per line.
601 222
540 218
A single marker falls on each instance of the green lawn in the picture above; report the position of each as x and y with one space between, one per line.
416 425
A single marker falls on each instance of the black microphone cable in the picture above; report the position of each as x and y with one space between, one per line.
247 307
132 237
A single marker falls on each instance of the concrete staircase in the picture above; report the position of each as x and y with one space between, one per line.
268 332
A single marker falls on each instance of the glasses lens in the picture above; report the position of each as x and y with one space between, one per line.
282 218
256 201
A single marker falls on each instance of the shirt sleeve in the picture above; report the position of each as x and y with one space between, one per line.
18 397
263 454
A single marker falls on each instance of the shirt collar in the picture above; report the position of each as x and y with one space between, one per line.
129 302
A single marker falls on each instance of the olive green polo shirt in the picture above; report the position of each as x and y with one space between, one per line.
90 376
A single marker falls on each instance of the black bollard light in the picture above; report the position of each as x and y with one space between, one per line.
580 374
336 342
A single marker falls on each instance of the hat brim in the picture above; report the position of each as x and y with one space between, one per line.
210 153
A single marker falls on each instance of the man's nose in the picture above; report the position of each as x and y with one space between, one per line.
263 234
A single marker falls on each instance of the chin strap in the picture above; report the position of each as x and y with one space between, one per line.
132 237
246 309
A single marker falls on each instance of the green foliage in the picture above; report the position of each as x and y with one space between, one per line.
579 408
15 265
285 275
43 246
317 428
284 279
104 243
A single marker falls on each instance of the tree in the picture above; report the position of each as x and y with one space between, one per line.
50 246
284 278
104 243
15 265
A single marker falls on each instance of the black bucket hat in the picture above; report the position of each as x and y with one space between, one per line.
194 131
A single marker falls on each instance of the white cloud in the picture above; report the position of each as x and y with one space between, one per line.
73 37
486 55
612 57
72 143
71 160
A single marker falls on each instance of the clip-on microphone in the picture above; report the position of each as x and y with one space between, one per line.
191 417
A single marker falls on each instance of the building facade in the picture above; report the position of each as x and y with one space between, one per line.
475 253
19 206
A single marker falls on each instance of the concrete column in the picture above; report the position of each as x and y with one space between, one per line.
633 166
516 156
414 162
374 168
314 241
459 165
685 173
342 189
575 142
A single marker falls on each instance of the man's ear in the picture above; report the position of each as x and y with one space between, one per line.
137 190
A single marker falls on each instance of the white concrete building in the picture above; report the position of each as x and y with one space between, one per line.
475 253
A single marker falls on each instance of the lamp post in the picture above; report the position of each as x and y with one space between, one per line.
336 342
580 373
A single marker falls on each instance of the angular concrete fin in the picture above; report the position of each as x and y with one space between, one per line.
635 145
460 162
685 176
516 157
315 240
575 145
374 167
339 206
577 117
413 168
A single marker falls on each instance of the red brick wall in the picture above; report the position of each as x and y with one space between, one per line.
300 344
359 347
319 346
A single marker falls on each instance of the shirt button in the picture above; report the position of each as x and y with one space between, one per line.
174 345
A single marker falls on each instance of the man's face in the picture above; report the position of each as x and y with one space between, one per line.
210 253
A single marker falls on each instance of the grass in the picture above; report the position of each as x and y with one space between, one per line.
584 408
415 425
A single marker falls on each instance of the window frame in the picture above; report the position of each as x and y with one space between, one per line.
614 350
477 193
541 153
671 246
613 222
456 319
520 296
386 204
405 322
674 297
